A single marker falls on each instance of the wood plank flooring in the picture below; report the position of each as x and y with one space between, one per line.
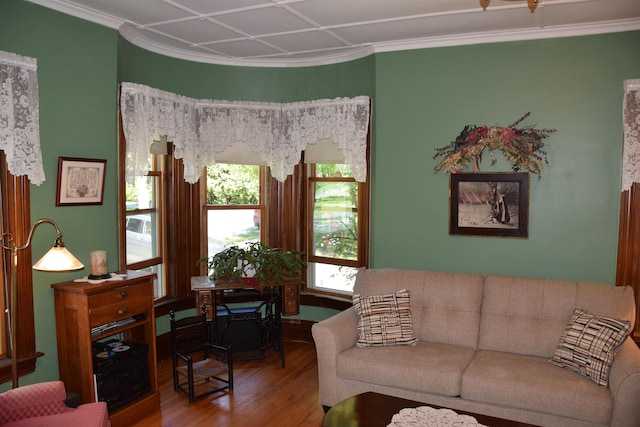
264 395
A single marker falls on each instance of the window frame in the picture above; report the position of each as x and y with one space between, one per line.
157 262
311 181
363 210
261 206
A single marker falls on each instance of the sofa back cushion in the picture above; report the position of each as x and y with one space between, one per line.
528 316
445 307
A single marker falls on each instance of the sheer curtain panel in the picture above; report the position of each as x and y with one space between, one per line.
204 131
631 136
628 262
20 117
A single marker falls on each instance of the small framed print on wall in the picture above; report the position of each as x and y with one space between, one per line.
489 204
80 181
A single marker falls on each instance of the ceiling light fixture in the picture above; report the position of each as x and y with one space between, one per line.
532 4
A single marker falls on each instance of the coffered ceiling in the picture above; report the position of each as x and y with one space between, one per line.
286 33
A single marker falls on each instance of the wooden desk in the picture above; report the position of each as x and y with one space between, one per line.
205 291
210 295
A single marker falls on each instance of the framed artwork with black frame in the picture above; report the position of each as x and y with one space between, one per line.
80 181
489 204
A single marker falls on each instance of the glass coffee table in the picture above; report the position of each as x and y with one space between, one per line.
374 409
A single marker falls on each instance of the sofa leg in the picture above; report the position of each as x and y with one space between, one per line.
326 408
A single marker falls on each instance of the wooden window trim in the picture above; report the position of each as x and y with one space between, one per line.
364 225
17 221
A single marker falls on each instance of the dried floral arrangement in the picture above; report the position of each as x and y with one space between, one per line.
523 147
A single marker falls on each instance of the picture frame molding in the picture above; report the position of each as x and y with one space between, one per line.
521 231
93 180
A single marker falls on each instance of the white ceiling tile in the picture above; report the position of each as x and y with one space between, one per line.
300 42
244 48
197 31
138 11
213 6
264 21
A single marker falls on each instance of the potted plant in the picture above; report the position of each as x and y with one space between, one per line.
256 263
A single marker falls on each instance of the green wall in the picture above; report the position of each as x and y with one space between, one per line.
421 100
77 85
424 99
208 81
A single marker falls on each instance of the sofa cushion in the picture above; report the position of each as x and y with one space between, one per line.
425 367
528 316
384 319
445 307
532 383
588 344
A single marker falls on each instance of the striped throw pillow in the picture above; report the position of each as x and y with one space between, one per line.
384 320
588 344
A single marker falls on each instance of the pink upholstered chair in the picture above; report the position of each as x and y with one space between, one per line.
43 405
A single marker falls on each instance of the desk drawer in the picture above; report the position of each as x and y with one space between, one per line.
120 303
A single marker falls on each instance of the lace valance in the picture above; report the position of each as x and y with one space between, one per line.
201 129
20 116
631 136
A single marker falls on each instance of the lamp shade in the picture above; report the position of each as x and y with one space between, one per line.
58 259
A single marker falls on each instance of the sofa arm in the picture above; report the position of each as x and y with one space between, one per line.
87 415
333 336
624 381
32 400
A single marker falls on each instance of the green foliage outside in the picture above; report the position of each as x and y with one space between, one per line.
233 184
333 170
335 214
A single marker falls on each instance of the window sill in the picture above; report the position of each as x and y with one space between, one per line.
25 367
317 299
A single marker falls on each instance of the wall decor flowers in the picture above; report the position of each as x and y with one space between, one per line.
523 147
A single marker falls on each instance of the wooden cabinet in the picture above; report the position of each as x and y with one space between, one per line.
82 307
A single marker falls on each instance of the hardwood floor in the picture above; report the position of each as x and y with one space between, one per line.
264 395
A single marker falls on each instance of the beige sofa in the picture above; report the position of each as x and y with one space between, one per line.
484 345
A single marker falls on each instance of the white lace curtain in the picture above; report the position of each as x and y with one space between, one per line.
202 129
631 136
20 116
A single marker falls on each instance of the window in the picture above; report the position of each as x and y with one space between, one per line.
235 207
337 224
144 237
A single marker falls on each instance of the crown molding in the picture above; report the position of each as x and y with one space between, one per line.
130 33
349 53
513 35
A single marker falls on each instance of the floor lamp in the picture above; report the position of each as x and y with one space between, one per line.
57 259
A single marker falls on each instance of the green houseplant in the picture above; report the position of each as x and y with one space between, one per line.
255 263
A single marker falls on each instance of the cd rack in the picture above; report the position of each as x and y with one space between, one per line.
121 372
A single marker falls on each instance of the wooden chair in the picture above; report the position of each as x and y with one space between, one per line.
200 368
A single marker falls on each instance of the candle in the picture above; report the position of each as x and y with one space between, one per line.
98 263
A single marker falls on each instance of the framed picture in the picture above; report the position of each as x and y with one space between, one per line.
489 204
80 181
